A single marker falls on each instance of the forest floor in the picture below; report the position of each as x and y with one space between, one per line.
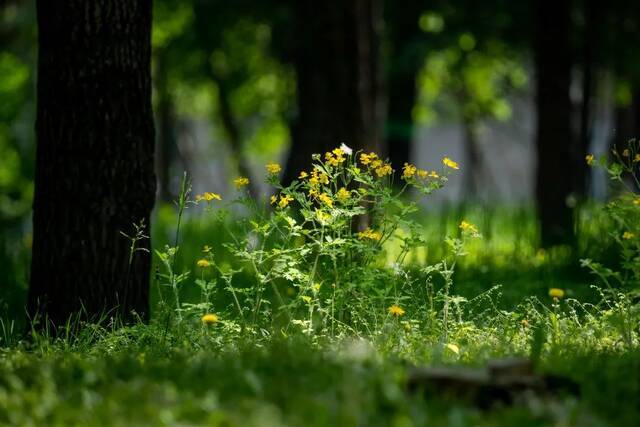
568 361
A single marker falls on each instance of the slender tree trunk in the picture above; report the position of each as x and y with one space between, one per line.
338 79
94 167
404 61
554 137
233 133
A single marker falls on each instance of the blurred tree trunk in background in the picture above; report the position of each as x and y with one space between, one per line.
554 136
94 167
336 58
406 58
166 142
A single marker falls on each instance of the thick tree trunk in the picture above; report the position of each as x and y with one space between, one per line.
94 168
554 138
338 79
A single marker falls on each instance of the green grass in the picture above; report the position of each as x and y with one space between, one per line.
188 374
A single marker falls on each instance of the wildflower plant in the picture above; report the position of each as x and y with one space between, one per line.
314 248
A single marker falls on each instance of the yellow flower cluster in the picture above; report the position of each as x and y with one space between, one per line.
468 227
241 181
372 161
326 199
318 178
396 310
450 163
335 157
206 196
343 195
209 319
368 233
273 168
627 235
408 171
284 200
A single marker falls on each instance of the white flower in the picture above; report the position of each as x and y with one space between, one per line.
346 149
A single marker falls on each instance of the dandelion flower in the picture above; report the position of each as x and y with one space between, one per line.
627 235
241 182
204 263
273 168
396 310
209 319
450 163
590 158
556 293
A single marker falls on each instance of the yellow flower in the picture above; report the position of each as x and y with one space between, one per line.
468 227
204 263
241 181
209 319
590 158
273 168
625 153
306 298
273 199
636 201
408 171
206 249
335 157
368 233
303 175
636 158
422 173
365 159
323 178
208 197
284 201
323 217
316 287
384 170
313 193
450 163
627 235
556 293
434 174
396 310
343 195
326 199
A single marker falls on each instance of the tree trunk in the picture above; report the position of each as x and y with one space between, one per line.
338 79
553 139
166 145
404 61
94 162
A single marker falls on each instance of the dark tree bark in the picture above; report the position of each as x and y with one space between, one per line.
338 79
553 139
94 167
